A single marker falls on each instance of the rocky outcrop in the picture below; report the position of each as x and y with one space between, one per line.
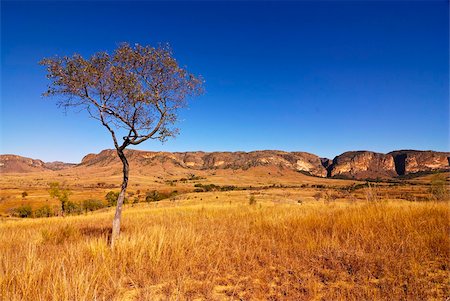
13 163
299 161
413 161
371 165
363 165
19 164
354 164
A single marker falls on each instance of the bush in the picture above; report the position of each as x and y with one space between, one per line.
154 196
438 189
227 188
252 200
72 208
91 205
111 197
23 211
317 196
44 211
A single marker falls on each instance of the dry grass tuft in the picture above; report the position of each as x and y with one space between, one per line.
217 251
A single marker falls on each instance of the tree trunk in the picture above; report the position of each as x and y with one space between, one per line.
117 217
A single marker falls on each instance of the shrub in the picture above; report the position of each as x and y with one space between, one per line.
23 211
227 188
72 208
252 200
111 197
44 211
330 197
438 188
62 194
317 196
153 196
91 205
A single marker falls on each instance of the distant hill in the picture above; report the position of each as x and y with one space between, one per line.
353 164
18 164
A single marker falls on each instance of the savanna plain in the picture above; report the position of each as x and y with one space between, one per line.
285 237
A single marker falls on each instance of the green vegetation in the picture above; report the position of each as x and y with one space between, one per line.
44 211
61 193
111 197
22 211
439 190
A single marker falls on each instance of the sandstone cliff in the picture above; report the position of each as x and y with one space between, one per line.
299 161
19 164
366 164
412 161
362 164
354 165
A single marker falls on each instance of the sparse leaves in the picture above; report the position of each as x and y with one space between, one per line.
138 89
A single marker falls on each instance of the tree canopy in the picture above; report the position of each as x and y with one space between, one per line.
138 89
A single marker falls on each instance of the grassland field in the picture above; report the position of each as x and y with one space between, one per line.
370 244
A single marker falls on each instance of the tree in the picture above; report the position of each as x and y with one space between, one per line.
152 196
135 91
62 194
112 197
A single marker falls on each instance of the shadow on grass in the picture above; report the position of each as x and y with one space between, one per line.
97 232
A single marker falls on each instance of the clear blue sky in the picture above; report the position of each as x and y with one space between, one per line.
323 77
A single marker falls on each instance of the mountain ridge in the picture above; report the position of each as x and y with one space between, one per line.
361 164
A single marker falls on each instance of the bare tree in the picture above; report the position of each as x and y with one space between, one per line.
135 92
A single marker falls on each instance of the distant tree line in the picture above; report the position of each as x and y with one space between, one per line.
67 207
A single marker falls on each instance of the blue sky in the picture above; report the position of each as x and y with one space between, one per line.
323 77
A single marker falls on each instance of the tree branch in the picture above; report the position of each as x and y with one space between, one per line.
155 130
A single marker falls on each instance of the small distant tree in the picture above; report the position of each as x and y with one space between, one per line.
23 211
73 208
62 194
135 92
111 197
24 195
91 205
153 196
44 211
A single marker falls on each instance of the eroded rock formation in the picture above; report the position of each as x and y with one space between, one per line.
354 164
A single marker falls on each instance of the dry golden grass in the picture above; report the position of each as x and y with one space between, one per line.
215 246
84 182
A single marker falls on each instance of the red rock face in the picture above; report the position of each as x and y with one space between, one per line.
13 163
299 161
363 165
411 161
356 165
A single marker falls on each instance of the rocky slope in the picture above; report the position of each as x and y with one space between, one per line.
362 164
14 163
412 161
299 161
371 165
354 164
